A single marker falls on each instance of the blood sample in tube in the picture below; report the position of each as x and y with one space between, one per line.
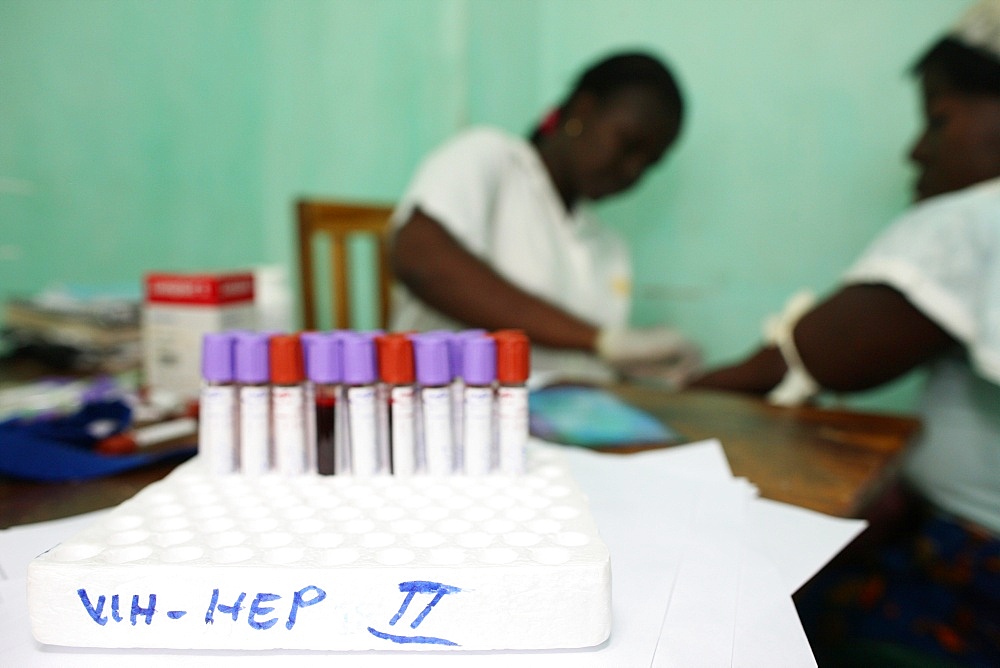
396 369
324 368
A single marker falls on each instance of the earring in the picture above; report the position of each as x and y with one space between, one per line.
573 127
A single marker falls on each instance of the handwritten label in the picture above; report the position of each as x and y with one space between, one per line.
96 610
413 588
258 616
265 609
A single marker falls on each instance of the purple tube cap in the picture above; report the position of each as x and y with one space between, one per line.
309 336
217 357
324 363
432 358
479 360
252 357
457 347
357 358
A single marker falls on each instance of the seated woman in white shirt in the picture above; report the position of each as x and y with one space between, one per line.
926 293
493 231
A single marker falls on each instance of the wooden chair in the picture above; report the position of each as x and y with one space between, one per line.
339 221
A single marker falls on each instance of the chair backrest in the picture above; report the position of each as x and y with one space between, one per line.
339 221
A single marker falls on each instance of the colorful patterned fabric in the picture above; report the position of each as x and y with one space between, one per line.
930 598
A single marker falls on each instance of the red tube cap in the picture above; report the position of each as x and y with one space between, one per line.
395 359
287 366
513 356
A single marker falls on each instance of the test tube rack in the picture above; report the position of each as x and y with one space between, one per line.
197 561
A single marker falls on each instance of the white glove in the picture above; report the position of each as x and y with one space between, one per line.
659 354
622 346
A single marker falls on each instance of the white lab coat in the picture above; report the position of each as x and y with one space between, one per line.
491 191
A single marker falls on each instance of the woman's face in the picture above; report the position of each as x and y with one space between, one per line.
620 138
960 143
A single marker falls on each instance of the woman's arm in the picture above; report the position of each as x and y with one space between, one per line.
756 374
441 272
866 335
861 337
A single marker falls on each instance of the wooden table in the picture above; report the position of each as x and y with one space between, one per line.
24 502
832 461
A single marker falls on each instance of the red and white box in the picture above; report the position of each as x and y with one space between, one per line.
178 310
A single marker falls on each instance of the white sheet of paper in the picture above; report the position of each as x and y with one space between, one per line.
768 631
699 623
799 541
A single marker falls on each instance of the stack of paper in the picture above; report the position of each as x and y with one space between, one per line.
83 332
711 565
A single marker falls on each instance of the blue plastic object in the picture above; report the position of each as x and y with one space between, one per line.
62 448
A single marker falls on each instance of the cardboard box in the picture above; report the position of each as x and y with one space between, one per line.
178 310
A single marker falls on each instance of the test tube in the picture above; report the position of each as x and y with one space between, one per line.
288 404
457 393
513 364
433 369
479 365
218 440
253 374
312 452
323 366
395 362
361 397
456 343
341 435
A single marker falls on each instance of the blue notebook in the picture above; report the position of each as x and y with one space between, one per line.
592 417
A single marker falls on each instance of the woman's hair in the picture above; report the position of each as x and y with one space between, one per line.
968 69
617 72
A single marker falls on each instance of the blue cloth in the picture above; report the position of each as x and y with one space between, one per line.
62 448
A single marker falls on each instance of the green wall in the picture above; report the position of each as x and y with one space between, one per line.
143 134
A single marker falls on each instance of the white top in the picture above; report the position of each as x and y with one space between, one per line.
491 191
944 256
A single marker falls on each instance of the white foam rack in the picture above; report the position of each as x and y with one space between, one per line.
334 563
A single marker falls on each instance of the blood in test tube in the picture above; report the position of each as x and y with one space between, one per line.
324 367
396 369
307 338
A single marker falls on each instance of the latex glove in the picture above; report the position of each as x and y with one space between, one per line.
627 346
673 374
